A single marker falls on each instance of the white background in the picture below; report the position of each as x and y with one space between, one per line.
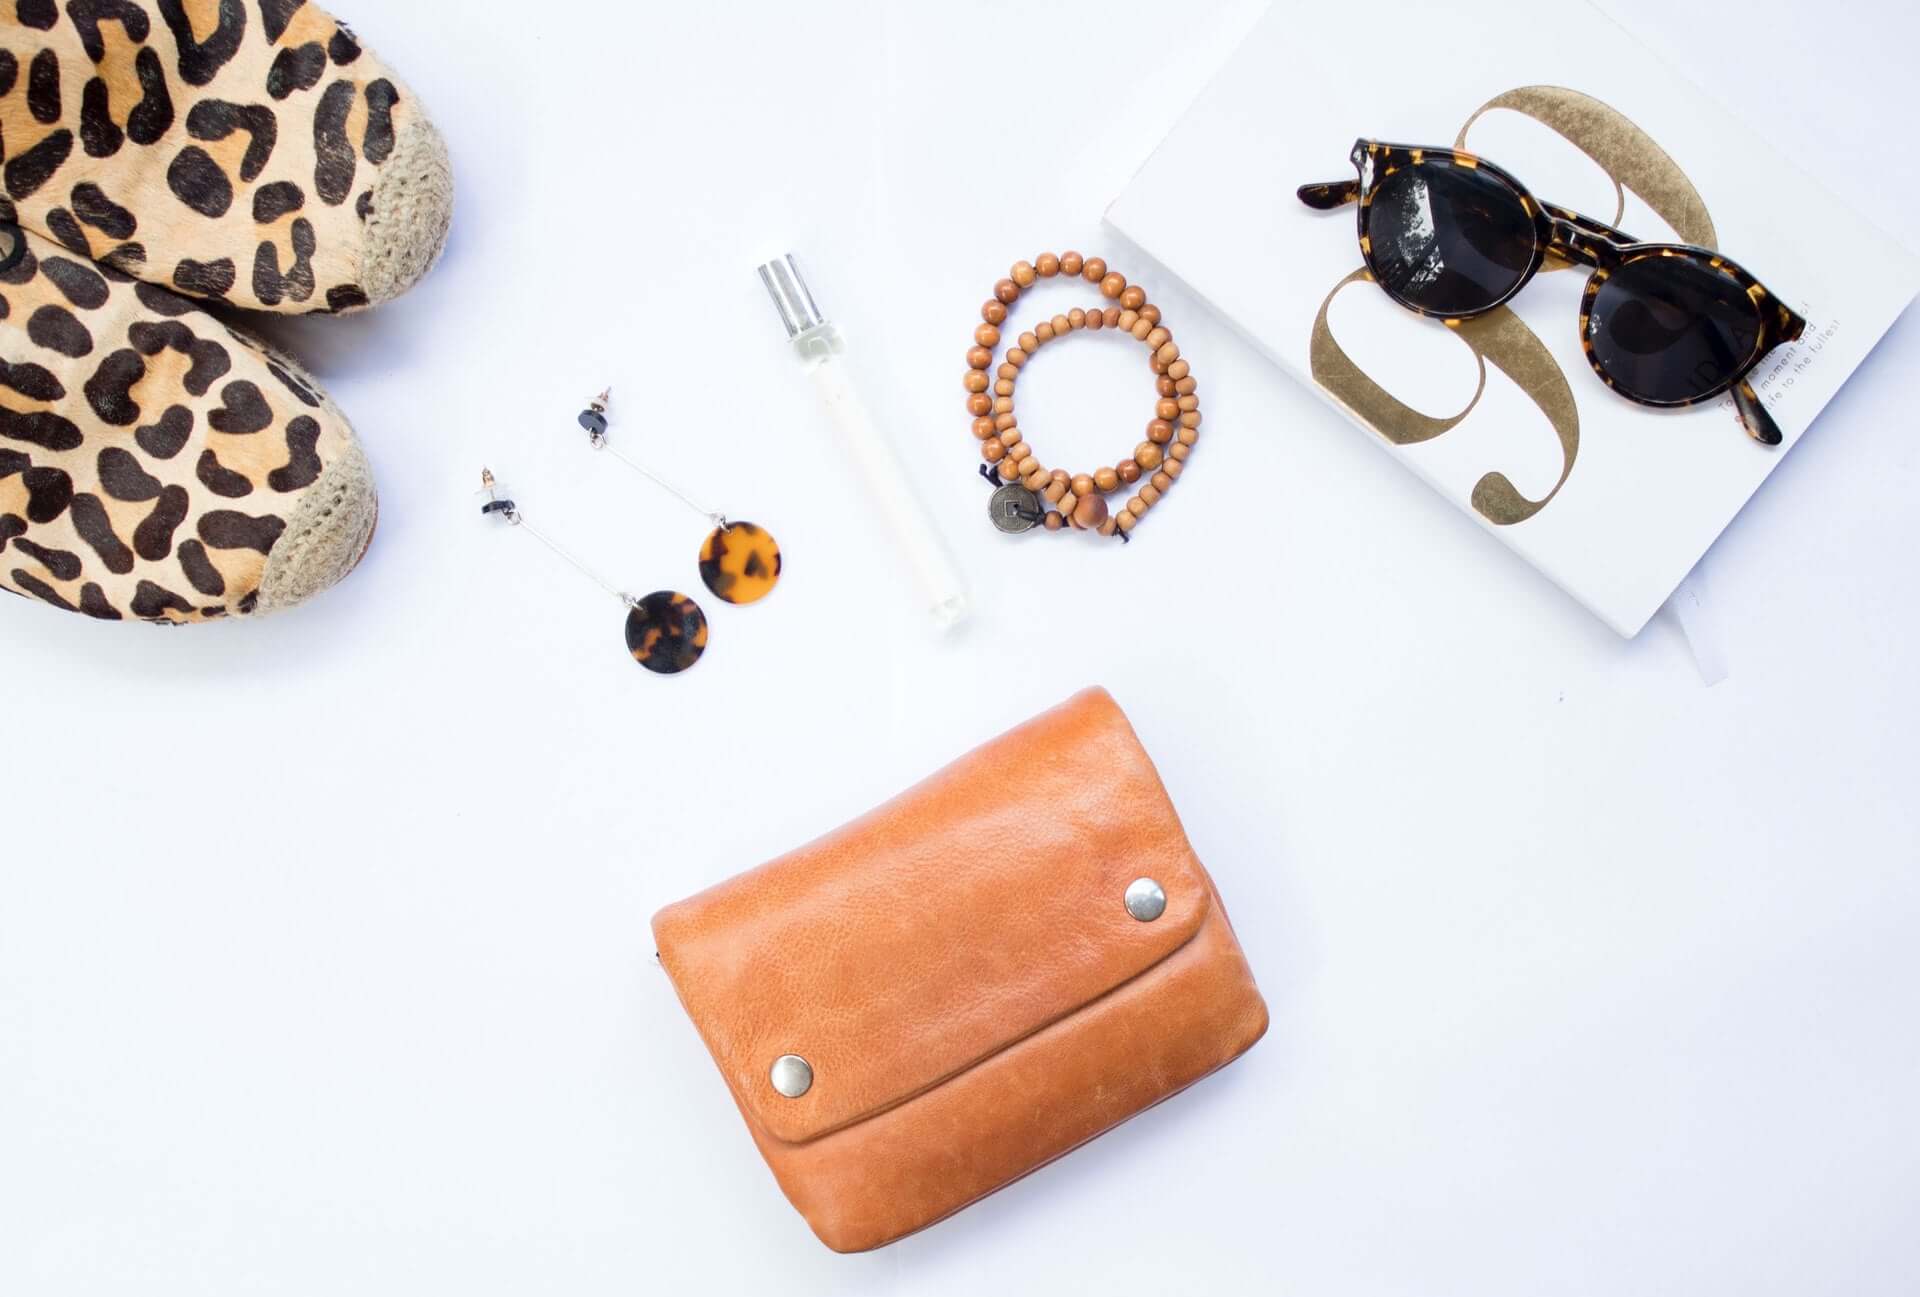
324 962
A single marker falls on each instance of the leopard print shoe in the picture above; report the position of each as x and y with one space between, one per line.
155 463
246 151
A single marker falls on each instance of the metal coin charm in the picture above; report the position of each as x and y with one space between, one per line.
1015 509
740 562
666 632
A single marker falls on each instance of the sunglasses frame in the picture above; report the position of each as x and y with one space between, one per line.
1571 238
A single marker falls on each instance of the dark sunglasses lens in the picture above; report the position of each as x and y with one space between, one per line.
1451 240
1672 329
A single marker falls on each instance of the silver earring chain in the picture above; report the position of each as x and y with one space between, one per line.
713 516
598 437
511 512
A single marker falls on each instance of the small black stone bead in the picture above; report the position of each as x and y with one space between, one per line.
593 421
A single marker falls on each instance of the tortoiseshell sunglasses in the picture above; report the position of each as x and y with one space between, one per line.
1452 236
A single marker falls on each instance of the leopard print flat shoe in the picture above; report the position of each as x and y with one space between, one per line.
155 463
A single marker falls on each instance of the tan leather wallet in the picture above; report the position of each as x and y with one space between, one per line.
993 968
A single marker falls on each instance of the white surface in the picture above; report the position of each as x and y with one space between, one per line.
323 952
1648 491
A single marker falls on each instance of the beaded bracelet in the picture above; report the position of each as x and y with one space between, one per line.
1035 495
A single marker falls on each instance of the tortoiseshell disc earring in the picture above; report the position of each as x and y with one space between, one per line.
739 561
666 631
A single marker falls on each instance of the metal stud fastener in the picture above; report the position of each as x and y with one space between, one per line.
791 1075
1146 900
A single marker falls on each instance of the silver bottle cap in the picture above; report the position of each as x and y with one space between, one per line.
790 296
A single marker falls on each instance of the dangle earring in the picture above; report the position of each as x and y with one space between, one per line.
739 562
666 631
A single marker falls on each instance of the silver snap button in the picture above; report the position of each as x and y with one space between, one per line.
1146 900
792 1075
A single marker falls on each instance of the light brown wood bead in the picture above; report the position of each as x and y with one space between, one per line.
1191 419
1062 326
994 311
1173 468
1128 318
1180 451
1036 478
1003 387
1007 370
978 358
1011 437
987 335
1157 335
1178 370
1140 328
976 381
1128 471
1060 475
1029 342
1160 432
1001 422
983 428
1043 331
1047 264
1150 493
1168 353
1016 357
1082 484
1108 527
1113 285
1090 512
1187 402
1022 273
993 450
979 403
1163 385
1076 318
1136 506
1151 311
1163 480
1166 410
1186 386
1007 291
1188 436
1148 456
1067 503
1112 316
1001 404
1071 263
1096 320
1105 479
1134 298
1127 519
1009 470
1054 491
1054 522
1093 270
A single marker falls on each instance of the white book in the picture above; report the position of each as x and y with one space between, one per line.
1614 501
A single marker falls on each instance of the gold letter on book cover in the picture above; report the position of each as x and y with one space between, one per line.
1632 161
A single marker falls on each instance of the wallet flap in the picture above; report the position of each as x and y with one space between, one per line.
964 915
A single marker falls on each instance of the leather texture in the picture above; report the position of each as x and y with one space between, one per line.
960 971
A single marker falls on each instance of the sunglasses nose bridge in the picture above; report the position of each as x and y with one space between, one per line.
1578 245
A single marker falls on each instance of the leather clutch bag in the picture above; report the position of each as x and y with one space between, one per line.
993 968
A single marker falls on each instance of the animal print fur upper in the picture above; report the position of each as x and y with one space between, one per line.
149 456
154 463
226 148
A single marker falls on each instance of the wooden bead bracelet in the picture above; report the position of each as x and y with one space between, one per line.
1056 498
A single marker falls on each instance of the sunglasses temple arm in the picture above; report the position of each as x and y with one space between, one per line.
1326 197
1753 415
